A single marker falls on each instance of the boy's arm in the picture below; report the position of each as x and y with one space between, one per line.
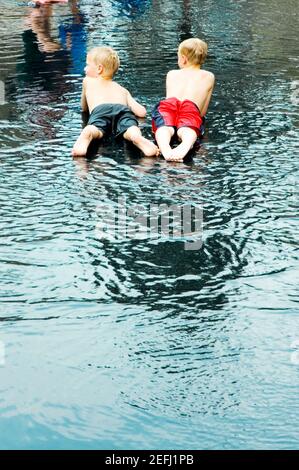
84 104
135 107
208 98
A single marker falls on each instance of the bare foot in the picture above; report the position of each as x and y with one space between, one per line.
167 154
146 146
80 147
178 154
89 133
172 157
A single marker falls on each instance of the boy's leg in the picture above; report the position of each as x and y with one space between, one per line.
133 134
89 133
188 137
163 137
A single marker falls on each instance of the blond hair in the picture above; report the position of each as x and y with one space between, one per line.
195 50
107 57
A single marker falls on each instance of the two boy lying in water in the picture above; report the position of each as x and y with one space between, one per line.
113 110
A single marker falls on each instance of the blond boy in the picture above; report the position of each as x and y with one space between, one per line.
112 108
188 94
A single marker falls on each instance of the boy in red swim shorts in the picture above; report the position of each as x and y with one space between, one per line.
188 94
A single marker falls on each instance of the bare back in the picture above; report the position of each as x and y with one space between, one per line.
191 84
99 91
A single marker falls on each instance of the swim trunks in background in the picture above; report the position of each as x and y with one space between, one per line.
112 118
175 113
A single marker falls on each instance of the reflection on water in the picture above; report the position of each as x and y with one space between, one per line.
140 343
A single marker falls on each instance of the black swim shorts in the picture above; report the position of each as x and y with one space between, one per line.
112 118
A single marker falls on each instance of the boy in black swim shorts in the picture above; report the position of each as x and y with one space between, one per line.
112 108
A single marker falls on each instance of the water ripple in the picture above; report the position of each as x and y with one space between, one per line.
119 342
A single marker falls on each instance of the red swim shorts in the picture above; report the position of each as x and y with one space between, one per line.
175 113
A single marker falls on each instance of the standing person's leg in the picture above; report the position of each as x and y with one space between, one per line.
44 2
133 134
188 138
89 133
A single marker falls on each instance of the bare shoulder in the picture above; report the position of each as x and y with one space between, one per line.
172 73
209 76
120 88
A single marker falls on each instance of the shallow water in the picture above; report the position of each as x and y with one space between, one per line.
112 342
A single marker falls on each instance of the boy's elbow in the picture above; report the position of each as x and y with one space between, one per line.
142 113
139 111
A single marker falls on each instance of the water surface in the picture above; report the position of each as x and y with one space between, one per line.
140 343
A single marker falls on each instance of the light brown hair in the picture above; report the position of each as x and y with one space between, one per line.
107 57
195 50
